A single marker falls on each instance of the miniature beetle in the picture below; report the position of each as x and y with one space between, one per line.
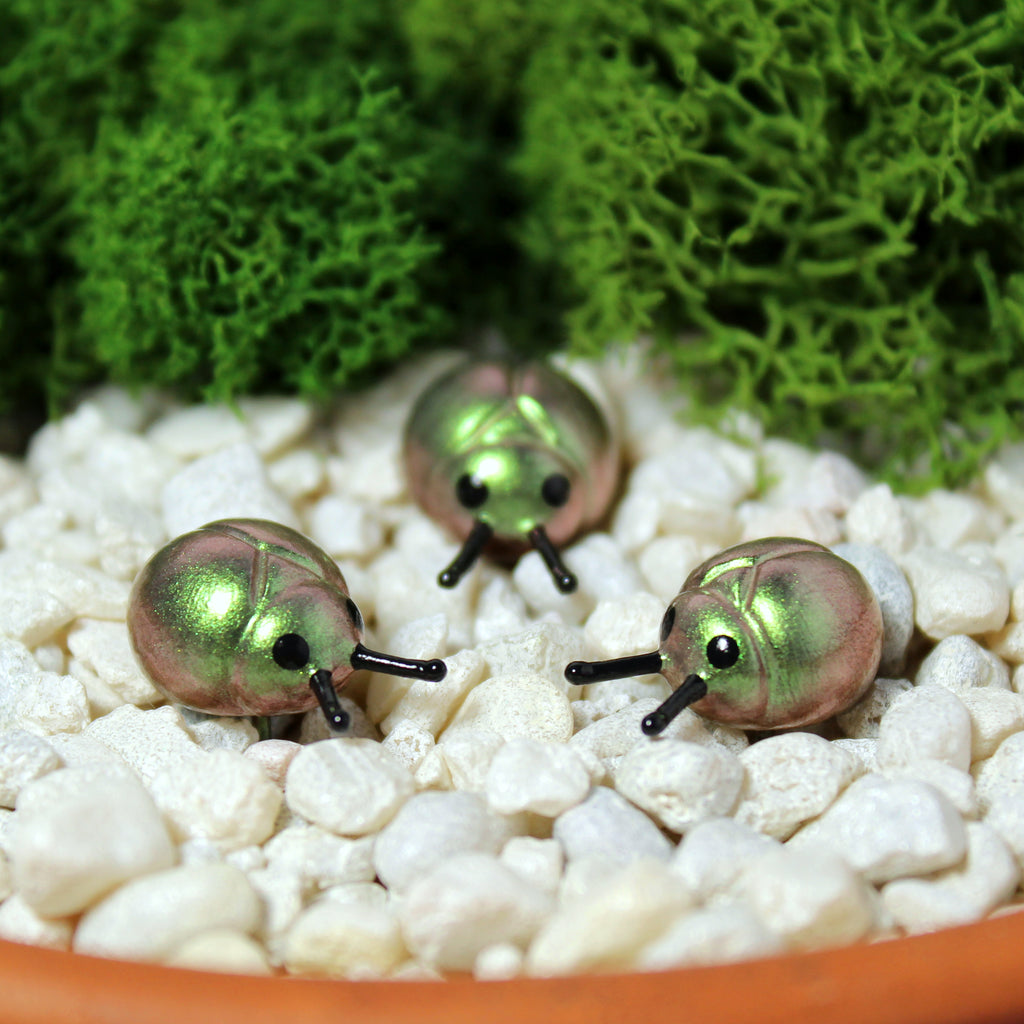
510 456
770 634
248 617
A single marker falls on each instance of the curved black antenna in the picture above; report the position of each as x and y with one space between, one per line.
564 580
692 689
583 672
432 671
321 685
471 548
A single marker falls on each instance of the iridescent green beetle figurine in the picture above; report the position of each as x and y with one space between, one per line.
510 456
772 634
248 617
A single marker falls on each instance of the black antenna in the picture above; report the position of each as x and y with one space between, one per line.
583 672
692 689
432 671
471 548
323 688
564 580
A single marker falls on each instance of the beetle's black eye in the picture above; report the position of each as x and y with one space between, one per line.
470 491
668 622
723 652
555 490
354 613
291 651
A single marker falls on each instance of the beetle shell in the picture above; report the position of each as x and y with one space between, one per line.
808 628
511 427
206 609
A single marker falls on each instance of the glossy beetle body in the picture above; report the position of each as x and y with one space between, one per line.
771 634
509 455
248 617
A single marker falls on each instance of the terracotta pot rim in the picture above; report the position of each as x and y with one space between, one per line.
971 973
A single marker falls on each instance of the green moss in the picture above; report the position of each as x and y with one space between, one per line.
829 193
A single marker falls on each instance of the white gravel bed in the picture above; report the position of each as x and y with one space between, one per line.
500 822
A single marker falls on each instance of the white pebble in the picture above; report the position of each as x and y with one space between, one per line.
877 517
543 649
680 783
275 422
86 591
20 923
612 737
499 962
431 828
213 732
1003 772
667 561
914 829
229 484
410 743
297 474
608 827
348 786
815 524
926 722
960 664
862 720
500 611
539 861
608 930
987 877
715 935
466 757
956 594
32 616
345 528
81 832
281 892
466 904
789 779
221 796
532 775
808 898
429 705
522 704
949 519
953 783
274 757
320 858
1005 814
626 626
197 430
104 648
713 855
995 715
222 950
23 759
41 702
895 599
342 940
148 741
150 917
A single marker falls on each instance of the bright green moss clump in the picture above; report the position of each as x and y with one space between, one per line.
831 194
814 208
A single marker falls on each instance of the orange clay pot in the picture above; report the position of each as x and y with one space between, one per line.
972 974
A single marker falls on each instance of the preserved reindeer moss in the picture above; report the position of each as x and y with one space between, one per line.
813 208
831 194
252 250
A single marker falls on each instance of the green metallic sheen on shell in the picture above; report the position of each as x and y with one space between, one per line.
808 628
206 610
510 427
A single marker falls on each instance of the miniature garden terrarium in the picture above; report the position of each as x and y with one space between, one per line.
664 653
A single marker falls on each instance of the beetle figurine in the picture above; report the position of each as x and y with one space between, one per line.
510 456
770 634
248 617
